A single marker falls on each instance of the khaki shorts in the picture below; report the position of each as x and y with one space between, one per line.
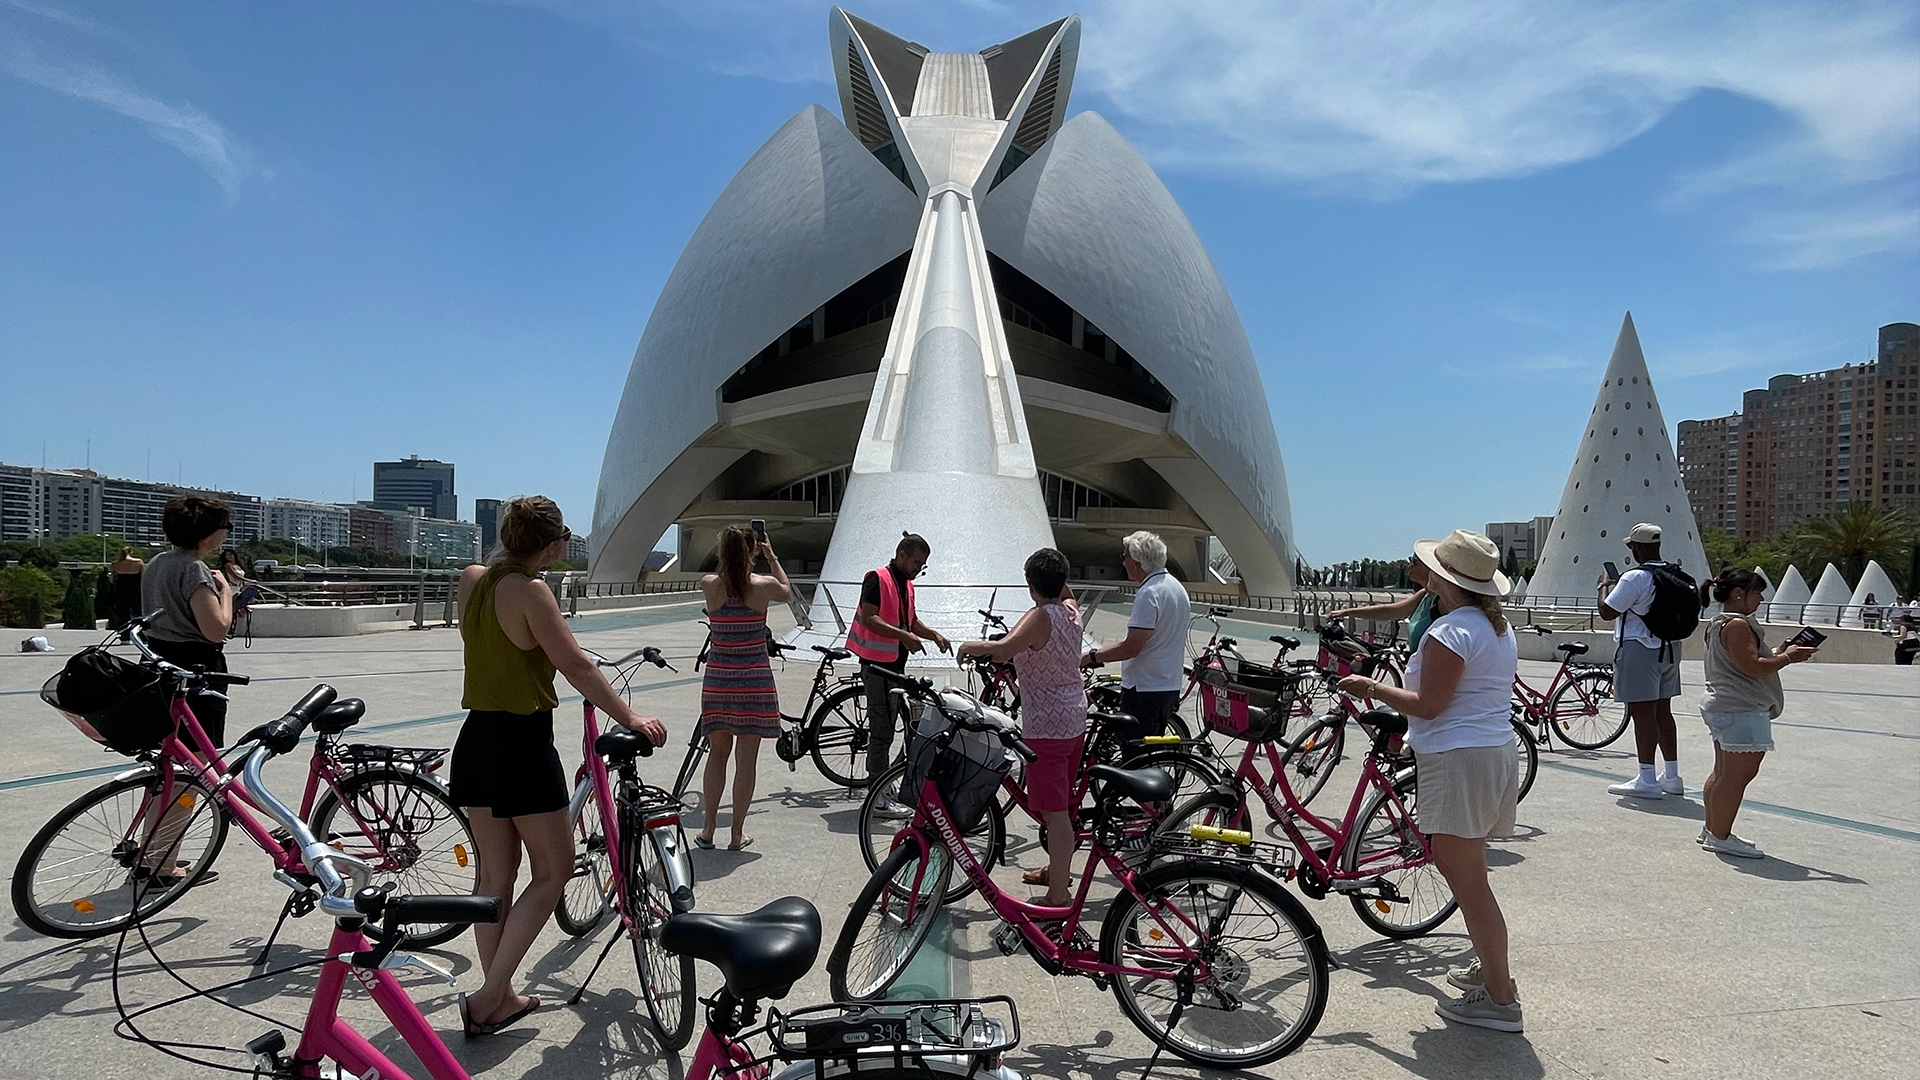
1468 792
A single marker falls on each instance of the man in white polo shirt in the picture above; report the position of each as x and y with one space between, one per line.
1155 648
1646 669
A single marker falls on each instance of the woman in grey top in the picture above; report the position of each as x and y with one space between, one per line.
1743 698
192 606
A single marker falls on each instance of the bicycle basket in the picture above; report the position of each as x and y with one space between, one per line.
1261 677
1244 712
967 774
112 700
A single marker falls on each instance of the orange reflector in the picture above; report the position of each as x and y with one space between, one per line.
1383 907
1156 934
83 906
460 854
186 800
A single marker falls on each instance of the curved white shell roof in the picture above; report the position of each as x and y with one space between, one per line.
809 214
1088 219
1793 591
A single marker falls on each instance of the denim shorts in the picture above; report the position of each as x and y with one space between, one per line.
1747 732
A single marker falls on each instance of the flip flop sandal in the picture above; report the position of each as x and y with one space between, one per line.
1035 877
474 1031
743 845
703 843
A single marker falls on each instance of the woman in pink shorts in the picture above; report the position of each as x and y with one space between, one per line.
1045 647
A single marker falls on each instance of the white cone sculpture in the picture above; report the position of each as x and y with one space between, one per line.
1790 599
1766 594
1874 582
1624 473
1829 597
1519 591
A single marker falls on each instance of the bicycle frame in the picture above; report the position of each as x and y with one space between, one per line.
1288 811
717 1055
326 1035
931 818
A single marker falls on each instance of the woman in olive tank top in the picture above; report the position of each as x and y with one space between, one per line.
506 772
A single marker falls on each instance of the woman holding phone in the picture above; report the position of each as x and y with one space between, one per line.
1743 699
738 701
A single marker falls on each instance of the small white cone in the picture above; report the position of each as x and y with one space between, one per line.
1874 582
1829 598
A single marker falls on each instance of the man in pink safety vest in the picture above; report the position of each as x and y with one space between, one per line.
885 629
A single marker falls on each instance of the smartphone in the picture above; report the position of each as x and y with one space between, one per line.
1613 572
1807 636
759 527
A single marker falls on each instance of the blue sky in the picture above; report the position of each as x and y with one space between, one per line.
261 246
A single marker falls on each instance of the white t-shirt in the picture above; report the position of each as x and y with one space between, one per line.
1477 714
1632 596
1161 605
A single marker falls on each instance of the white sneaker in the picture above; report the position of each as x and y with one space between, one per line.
1732 845
1467 978
1476 1008
890 810
1638 789
1673 785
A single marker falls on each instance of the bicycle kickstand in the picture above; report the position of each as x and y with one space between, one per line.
619 931
1180 1000
298 904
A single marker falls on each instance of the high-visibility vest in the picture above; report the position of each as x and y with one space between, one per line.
867 645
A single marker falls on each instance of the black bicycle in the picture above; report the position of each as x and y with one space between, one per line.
832 727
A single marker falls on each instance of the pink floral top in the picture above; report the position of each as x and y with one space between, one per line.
1053 699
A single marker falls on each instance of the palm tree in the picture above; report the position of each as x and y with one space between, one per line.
1850 536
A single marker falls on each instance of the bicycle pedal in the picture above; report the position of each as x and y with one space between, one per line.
1007 939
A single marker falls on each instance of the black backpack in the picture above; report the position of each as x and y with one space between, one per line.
1676 603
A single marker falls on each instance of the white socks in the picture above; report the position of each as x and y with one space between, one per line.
1646 774
1673 770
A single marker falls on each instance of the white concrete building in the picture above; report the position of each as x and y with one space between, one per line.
1623 473
955 311
314 524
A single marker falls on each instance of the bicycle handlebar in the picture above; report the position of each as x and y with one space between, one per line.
131 635
923 689
646 653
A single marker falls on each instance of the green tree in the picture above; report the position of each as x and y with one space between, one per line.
26 592
1850 537
77 612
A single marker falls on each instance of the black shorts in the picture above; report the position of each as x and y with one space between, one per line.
505 764
210 709
1151 708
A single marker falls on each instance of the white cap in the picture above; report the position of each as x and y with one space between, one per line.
1644 533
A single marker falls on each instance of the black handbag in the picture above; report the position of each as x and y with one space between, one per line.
112 700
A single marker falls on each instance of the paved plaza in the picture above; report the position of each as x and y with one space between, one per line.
1638 954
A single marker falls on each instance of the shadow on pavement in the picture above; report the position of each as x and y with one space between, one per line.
1453 1050
1672 806
1418 966
1778 869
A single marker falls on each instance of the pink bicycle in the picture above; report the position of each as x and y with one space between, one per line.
1210 957
134 845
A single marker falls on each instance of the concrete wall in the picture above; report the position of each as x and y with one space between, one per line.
277 621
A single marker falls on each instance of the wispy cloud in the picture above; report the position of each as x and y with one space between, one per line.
52 14
183 127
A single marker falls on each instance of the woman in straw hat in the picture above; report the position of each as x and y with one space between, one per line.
1456 702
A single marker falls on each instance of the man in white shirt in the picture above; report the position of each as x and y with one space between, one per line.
1646 670
1155 648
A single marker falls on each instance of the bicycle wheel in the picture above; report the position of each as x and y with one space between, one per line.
837 732
888 921
1582 711
589 892
685 790
1382 838
1527 749
666 979
1242 951
1313 755
405 825
987 840
85 872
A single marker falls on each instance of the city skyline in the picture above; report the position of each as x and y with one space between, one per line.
255 255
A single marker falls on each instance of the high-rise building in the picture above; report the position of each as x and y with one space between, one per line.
1807 445
486 514
430 541
135 509
313 524
417 481
1709 453
19 503
1521 539
577 548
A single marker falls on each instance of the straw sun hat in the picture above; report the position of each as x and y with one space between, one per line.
1468 560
